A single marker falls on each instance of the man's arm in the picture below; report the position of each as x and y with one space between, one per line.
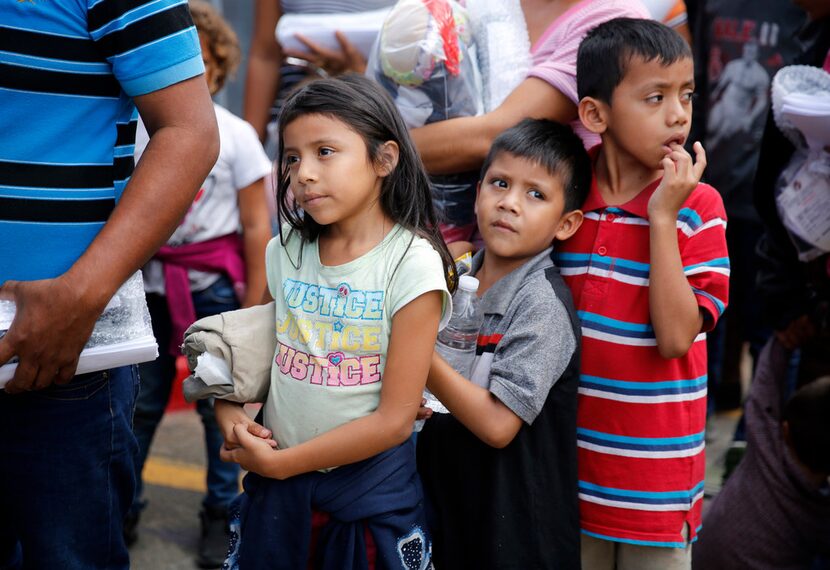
461 144
55 316
264 59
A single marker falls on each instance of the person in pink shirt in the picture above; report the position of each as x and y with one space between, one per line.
555 28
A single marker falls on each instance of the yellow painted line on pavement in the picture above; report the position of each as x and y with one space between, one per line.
175 474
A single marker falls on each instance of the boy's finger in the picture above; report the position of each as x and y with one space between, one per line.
683 163
668 166
680 158
700 159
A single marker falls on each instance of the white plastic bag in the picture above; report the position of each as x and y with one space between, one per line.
801 109
360 28
502 45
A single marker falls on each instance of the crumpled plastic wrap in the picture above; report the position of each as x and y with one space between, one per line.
425 59
502 45
802 191
125 317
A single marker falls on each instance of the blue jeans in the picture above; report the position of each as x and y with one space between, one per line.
67 473
157 382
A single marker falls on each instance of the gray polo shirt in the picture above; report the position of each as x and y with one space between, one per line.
521 314
485 499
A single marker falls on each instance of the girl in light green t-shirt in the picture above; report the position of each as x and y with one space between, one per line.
361 279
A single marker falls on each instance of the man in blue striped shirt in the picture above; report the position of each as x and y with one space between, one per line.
75 222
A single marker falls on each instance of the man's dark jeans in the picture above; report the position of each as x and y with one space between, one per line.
67 474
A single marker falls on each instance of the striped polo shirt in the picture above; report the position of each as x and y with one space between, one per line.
68 72
641 417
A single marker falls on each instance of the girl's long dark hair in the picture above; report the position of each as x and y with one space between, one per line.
365 108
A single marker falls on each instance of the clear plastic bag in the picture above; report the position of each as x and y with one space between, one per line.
425 59
122 335
502 45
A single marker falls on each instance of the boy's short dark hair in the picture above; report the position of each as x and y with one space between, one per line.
808 415
604 54
553 146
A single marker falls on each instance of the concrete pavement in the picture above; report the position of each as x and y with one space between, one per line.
174 486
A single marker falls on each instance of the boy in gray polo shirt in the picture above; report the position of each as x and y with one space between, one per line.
500 470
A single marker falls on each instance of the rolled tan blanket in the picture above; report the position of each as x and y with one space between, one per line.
246 340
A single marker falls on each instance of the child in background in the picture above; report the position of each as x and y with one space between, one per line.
649 273
360 282
774 510
207 267
500 470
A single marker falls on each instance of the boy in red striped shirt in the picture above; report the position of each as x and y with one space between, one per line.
649 274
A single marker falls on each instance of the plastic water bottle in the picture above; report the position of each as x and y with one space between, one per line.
457 341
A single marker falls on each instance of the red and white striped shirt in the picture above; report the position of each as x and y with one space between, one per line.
641 417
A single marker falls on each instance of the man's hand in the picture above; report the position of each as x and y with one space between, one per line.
51 326
229 415
680 177
252 453
331 61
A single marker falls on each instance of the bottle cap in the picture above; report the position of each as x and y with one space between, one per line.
468 283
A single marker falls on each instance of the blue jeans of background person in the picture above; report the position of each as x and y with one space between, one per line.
67 473
156 385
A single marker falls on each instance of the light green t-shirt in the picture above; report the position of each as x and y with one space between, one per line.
333 326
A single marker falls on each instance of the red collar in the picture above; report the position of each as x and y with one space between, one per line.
638 205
